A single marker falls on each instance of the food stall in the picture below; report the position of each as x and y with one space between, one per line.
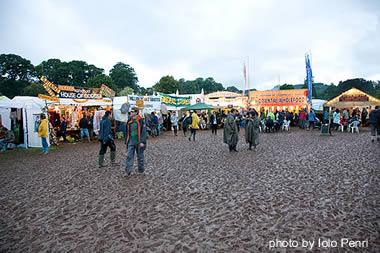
272 100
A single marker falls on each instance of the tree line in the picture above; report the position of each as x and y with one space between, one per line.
327 92
19 77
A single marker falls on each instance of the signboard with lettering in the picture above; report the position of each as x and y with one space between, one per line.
50 98
81 93
174 100
354 98
278 97
107 91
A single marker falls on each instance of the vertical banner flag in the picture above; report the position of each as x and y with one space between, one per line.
308 77
245 78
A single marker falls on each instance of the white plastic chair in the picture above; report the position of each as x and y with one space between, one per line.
354 126
286 125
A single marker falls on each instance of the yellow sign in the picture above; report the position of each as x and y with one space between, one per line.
54 99
140 103
278 97
49 84
66 88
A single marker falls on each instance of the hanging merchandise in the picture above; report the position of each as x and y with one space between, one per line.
97 118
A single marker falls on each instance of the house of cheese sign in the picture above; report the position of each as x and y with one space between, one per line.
278 98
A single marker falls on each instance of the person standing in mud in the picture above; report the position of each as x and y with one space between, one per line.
194 125
252 125
43 132
230 131
135 141
214 121
106 140
174 121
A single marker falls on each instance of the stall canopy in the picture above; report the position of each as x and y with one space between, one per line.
82 102
353 98
200 106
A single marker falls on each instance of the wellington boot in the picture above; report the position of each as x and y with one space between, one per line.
101 161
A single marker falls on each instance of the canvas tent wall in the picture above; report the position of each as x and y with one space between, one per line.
151 104
317 104
32 110
5 112
6 106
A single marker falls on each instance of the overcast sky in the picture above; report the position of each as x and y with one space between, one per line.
191 39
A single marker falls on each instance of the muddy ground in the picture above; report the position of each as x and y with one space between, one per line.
195 196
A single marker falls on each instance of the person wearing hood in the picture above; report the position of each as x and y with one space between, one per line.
252 130
230 131
194 125
43 133
135 141
106 140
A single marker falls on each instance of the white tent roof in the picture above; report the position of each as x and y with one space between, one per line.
4 99
7 103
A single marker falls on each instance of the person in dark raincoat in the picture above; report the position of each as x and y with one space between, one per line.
252 130
230 131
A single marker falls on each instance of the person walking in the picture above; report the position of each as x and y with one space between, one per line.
311 119
252 125
186 123
336 119
303 115
136 141
230 131
374 121
83 125
214 121
106 140
174 121
326 117
43 133
63 128
364 116
194 125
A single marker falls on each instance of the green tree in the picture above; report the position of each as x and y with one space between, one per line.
330 92
167 84
191 87
74 73
126 91
97 81
80 72
34 89
15 74
233 89
359 83
55 71
286 87
124 75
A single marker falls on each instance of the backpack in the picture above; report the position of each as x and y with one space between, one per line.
124 108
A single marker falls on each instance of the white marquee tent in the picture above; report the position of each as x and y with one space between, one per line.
32 110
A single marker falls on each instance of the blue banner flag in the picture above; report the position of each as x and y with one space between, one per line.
308 78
